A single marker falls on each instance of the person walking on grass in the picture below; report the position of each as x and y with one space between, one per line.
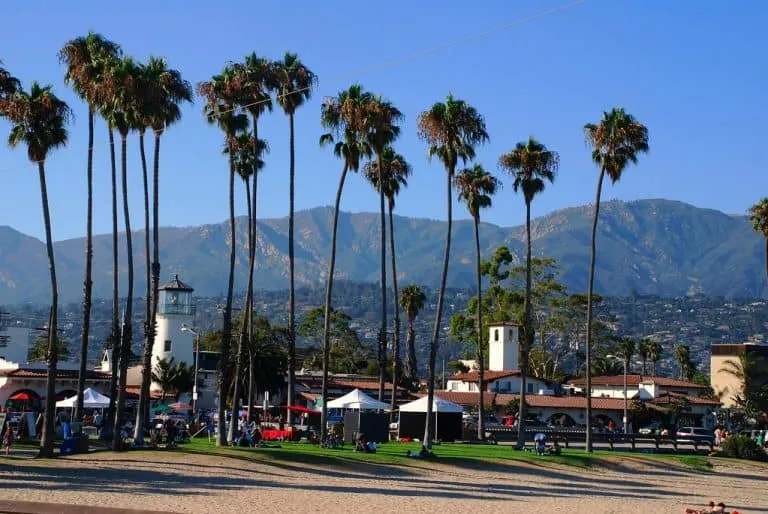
8 439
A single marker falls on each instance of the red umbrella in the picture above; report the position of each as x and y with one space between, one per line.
299 408
22 396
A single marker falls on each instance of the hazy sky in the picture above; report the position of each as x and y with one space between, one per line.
693 72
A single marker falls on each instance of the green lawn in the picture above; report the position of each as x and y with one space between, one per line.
462 455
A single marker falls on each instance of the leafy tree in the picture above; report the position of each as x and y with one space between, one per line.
393 176
758 216
616 141
458 367
451 129
39 122
86 59
346 353
38 351
412 300
294 83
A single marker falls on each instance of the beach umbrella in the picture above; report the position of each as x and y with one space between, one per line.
179 406
162 408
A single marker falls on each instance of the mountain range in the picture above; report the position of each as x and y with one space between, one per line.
657 247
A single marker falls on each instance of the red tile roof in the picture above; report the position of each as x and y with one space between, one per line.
60 373
534 400
634 381
692 400
356 382
488 376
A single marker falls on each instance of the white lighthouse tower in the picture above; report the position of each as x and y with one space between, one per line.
174 309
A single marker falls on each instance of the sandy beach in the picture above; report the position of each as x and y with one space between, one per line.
177 482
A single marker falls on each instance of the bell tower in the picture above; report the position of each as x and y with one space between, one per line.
174 309
503 346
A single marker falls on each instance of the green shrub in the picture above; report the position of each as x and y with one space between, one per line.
742 447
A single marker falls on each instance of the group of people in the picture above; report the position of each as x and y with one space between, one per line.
711 508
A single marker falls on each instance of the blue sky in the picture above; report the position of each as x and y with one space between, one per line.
693 72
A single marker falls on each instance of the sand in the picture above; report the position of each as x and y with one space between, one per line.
177 482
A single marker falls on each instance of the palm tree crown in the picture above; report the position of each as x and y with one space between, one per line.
452 129
412 300
165 89
257 76
343 117
396 171
758 216
294 82
530 164
616 141
476 187
8 87
87 59
39 121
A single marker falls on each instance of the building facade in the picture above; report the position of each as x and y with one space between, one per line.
726 357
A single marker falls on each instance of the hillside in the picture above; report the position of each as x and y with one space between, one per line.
656 247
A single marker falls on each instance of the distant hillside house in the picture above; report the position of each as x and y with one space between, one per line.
725 384
503 373
642 387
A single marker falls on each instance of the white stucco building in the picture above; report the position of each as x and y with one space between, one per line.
503 373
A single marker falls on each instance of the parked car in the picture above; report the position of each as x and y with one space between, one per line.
694 433
651 429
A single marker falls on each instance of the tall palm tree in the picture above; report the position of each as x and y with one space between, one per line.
452 129
655 351
86 58
643 351
749 370
395 173
683 358
625 350
381 130
163 93
257 79
531 165
342 116
247 157
294 87
412 300
9 85
616 141
39 122
219 109
476 187
758 215
124 117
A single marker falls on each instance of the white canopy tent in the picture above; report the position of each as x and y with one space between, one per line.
91 400
357 400
438 405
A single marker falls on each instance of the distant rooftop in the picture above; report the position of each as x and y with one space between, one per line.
176 285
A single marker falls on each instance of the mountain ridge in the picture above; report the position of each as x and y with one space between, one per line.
650 246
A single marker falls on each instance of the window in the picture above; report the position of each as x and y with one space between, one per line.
496 335
4 340
511 334
530 387
168 344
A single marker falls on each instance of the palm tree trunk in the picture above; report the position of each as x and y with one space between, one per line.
127 339
766 256
241 340
383 277
251 268
291 264
528 331
146 370
410 343
88 282
327 311
115 336
226 329
644 361
46 441
146 377
480 355
396 315
429 428
588 344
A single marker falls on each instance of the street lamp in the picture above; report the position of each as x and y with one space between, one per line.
185 328
624 363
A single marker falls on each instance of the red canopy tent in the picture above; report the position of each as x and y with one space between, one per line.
22 396
299 408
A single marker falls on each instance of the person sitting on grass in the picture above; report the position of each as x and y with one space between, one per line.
423 453
361 445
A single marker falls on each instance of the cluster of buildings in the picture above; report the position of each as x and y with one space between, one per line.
550 403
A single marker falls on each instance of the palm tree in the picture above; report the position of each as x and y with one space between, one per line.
257 79
476 187
749 370
758 215
164 90
531 165
219 109
164 375
616 141
9 85
124 117
342 116
380 131
294 87
654 352
412 300
396 171
643 350
625 350
452 130
683 358
86 59
39 122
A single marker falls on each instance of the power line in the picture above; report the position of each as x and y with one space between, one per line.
421 53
